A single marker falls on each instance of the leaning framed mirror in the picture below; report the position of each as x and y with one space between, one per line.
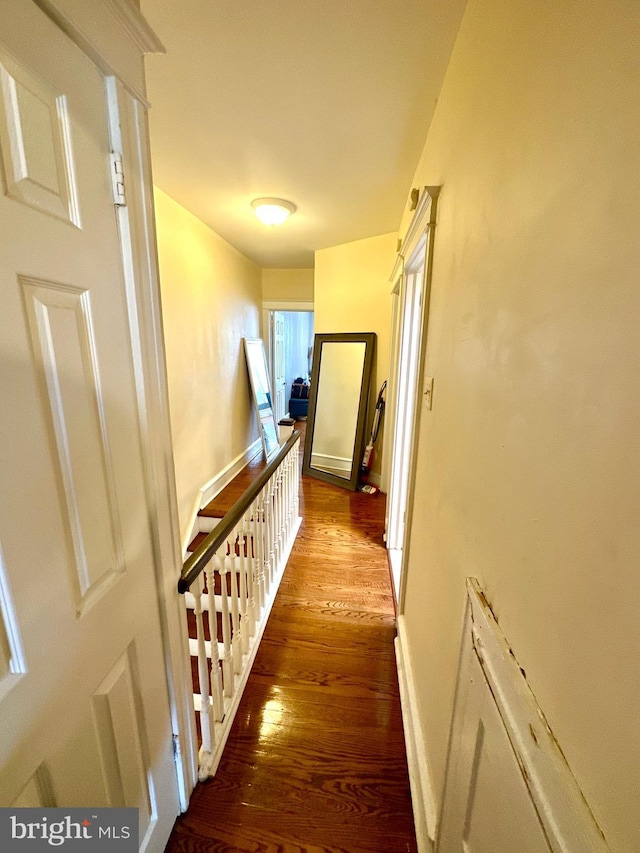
340 380
261 393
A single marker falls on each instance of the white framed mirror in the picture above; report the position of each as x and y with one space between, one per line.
261 393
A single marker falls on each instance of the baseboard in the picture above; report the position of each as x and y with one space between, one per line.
215 485
325 460
425 812
218 483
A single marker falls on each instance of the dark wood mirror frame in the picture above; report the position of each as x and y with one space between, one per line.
369 340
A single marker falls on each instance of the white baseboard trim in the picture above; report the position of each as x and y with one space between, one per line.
215 485
425 812
325 460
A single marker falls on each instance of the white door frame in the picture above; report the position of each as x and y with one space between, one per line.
411 276
117 43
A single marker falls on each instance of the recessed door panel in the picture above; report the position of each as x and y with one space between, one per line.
36 144
64 347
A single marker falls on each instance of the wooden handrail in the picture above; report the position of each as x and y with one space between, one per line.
207 548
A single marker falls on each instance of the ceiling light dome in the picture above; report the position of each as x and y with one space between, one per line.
272 211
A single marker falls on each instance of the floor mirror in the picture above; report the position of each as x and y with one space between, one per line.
261 393
340 381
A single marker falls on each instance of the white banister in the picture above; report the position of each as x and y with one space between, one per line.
244 558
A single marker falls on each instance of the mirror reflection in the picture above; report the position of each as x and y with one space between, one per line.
338 406
339 383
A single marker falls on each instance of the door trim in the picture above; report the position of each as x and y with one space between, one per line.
420 232
114 34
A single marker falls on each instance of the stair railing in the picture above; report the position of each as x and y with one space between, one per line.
230 582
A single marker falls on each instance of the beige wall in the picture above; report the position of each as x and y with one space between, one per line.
529 462
284 285
211 297
353 294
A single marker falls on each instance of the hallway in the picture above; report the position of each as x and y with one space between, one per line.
315 762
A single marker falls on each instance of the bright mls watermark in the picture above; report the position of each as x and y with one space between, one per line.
103 830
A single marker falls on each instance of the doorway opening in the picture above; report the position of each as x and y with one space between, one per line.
289 339
407 345
409 336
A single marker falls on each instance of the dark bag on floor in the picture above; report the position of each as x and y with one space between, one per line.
300 389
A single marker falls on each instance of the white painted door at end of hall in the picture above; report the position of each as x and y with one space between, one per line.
279 381
83 692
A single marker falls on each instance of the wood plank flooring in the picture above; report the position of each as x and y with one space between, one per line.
315 761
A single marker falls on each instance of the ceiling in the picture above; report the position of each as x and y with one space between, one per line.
325 103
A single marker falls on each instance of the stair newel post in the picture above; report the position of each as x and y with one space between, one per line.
227 659
206 711
296 481
212 616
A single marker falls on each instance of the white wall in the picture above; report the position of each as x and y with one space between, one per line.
211 297
529 462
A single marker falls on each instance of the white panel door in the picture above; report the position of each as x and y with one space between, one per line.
83 693
405 401
487 806
508 786
279 382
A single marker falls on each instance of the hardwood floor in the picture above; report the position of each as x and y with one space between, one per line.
315 761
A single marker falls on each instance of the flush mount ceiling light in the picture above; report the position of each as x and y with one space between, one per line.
272 211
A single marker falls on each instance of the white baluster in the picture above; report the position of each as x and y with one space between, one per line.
236 640
206 711
276 526
243 545
212 616
268 537
251 567
222 564
277 512
286 479
279 519
261 545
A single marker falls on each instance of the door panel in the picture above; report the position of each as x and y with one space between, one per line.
508 785
279 383
83 698
489 808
